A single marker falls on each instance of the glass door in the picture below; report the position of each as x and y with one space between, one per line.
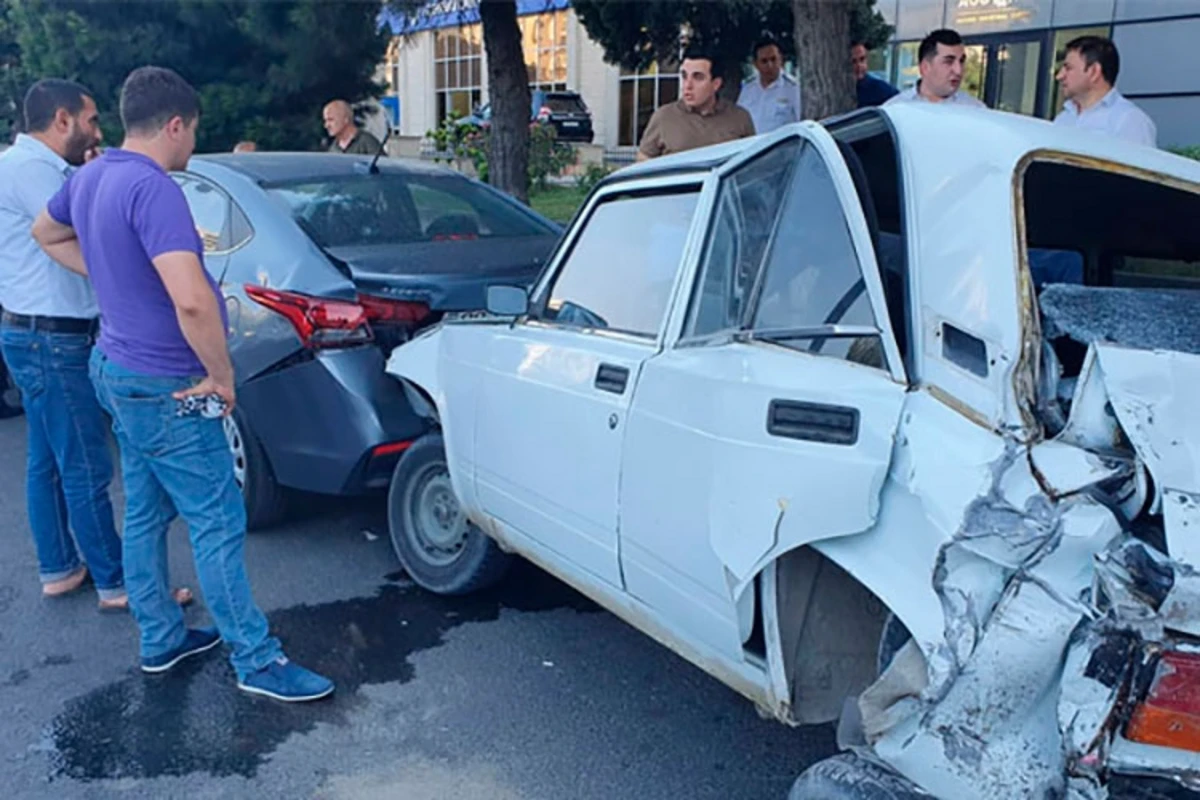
1005 72
975 71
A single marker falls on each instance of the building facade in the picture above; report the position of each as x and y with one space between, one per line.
436 62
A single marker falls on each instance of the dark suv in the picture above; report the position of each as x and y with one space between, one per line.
566 111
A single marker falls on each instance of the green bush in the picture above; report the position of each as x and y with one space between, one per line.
455 143
590 177
1191 151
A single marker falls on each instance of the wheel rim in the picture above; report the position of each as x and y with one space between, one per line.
436 526
237 448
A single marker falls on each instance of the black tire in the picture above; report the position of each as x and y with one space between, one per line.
893 637
266 501
10 395
849 777
441 551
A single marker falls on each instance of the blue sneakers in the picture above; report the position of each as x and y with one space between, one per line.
283 680
196 641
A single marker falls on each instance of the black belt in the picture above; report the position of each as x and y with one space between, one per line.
50 324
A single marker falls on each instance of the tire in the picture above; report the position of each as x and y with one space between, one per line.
266 501
441 551
893 637
849 777
10 395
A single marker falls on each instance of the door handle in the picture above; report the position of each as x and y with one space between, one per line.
611 378
813 422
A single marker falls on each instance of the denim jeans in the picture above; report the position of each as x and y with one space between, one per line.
69 467
171 465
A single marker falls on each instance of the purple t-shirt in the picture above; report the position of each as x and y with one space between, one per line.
127 211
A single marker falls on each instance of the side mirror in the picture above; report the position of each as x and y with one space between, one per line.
507 301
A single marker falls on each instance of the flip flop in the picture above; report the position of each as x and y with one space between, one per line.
183 596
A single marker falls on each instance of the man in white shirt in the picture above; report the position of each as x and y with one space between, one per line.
46 333
1086 77
941 58
771 97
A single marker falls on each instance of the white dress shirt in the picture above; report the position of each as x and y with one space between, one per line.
771 106
32 283
1114 115
913 95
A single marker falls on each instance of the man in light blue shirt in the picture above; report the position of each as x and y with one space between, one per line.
942 59
46 333
771 97
1086 76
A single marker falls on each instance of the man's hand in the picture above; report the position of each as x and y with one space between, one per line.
210 386
59 242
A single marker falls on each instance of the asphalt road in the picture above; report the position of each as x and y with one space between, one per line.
527 692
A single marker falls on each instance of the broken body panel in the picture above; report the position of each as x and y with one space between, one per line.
1006 544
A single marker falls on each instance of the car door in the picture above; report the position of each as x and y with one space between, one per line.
768 420
556 387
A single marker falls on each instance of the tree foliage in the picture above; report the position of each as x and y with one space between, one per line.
635 34
263 69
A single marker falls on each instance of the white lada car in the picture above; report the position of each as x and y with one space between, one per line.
891 420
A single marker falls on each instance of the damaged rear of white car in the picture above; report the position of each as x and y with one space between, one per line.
902 434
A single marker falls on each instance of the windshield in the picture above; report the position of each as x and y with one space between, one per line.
358 210
565 103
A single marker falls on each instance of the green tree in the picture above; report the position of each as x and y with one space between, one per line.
264 70
635 34
12 78
508 88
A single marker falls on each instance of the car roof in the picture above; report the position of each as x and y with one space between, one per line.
951 139
271 167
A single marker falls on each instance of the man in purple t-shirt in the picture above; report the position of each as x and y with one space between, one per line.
122 221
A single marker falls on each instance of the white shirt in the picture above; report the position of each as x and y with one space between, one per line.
32 283
1113 115
773 106
913 95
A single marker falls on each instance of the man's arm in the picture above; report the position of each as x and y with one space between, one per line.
60 242
199 318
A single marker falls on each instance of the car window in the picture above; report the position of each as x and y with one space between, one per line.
811 276
621 269
212 213
398 208
748 210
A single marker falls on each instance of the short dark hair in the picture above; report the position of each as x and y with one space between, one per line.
704 54
153 96
766 41
859 42
46 97
1098 50
929 44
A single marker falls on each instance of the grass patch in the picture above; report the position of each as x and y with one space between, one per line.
559 203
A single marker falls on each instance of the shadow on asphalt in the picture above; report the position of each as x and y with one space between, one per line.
194 719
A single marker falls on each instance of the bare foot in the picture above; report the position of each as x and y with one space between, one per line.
66 585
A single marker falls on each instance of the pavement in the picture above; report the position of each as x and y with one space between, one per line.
526 692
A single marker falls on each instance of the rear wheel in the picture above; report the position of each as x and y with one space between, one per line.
436 544
10 395
266 500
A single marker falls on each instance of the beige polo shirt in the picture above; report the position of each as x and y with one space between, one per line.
674 128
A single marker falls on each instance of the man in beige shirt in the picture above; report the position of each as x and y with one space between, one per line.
699 118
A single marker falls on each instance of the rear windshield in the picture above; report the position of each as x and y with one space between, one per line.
565 103
358 210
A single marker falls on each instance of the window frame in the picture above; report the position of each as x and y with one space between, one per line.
234 209
700 180
825 147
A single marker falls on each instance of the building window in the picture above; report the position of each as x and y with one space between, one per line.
641 93
544 40
458 69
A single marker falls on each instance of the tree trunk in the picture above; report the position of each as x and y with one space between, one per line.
508 91
823 56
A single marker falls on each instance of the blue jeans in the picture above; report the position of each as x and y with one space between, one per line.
180 464
69 467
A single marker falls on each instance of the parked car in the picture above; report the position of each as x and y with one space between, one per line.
566 111
326 264
811 410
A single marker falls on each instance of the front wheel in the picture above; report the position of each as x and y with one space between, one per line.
436 544
849 777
